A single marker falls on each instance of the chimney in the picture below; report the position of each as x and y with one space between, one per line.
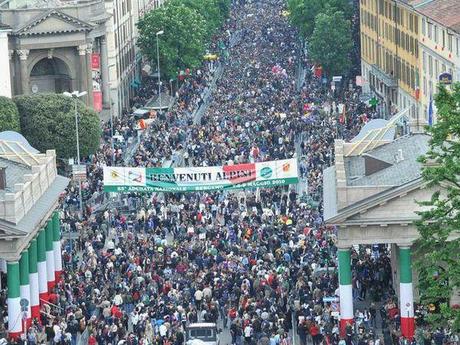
2 178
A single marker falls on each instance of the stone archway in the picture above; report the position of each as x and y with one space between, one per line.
50 75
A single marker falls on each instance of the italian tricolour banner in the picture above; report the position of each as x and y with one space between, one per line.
192 179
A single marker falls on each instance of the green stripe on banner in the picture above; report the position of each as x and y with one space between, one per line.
49 236
41 246
168 171
24 268
13 279
172 187
344 267
405 265
33 256
56 227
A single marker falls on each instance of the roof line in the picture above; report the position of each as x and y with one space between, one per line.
375 200
423 3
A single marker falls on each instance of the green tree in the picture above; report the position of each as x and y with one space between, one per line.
224 7
183 42
48 122
209 9
331 43
303 14
9 115
438 248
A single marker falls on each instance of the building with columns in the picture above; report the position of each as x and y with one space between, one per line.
370 195
52 49
30 246
85 45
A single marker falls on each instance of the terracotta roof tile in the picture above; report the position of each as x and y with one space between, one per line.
445 12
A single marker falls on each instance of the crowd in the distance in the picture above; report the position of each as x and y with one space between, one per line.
259 263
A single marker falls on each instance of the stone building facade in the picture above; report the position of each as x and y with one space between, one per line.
85 45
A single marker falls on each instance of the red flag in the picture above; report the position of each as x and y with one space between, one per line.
343 116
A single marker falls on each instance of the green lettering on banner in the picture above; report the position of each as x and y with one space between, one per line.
171 187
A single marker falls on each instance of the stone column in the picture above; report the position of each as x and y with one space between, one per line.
57 247
345 289
14 298
105 74
24 281
23 55
33 280
49 256
83 85
11 72
89 51
406 294
41 259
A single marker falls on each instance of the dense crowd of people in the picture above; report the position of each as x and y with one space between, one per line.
260 263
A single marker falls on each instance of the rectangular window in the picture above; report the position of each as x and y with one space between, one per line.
449 42
412 78
436 67
424 62
436 34
458 47
443 39
430 65
430 30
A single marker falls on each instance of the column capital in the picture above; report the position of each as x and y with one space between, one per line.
23 53
82 49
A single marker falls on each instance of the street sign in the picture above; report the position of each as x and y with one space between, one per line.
79 172
337 78
445 78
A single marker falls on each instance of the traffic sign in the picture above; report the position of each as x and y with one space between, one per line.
79 172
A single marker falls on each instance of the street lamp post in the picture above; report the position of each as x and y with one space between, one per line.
111 133
161 32
75 95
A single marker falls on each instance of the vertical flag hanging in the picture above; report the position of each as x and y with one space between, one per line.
24 281
33 281
406 293
14 298
57 247
430 112
343 116
49 256
345 289
41 258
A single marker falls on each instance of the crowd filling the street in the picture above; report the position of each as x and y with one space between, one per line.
261 263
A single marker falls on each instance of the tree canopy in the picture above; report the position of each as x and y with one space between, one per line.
188 27
303 12
331 42
48 122
438 248
9 115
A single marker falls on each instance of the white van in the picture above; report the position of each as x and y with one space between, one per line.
202 333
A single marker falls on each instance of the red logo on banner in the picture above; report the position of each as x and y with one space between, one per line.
240 173
97 100
95 61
